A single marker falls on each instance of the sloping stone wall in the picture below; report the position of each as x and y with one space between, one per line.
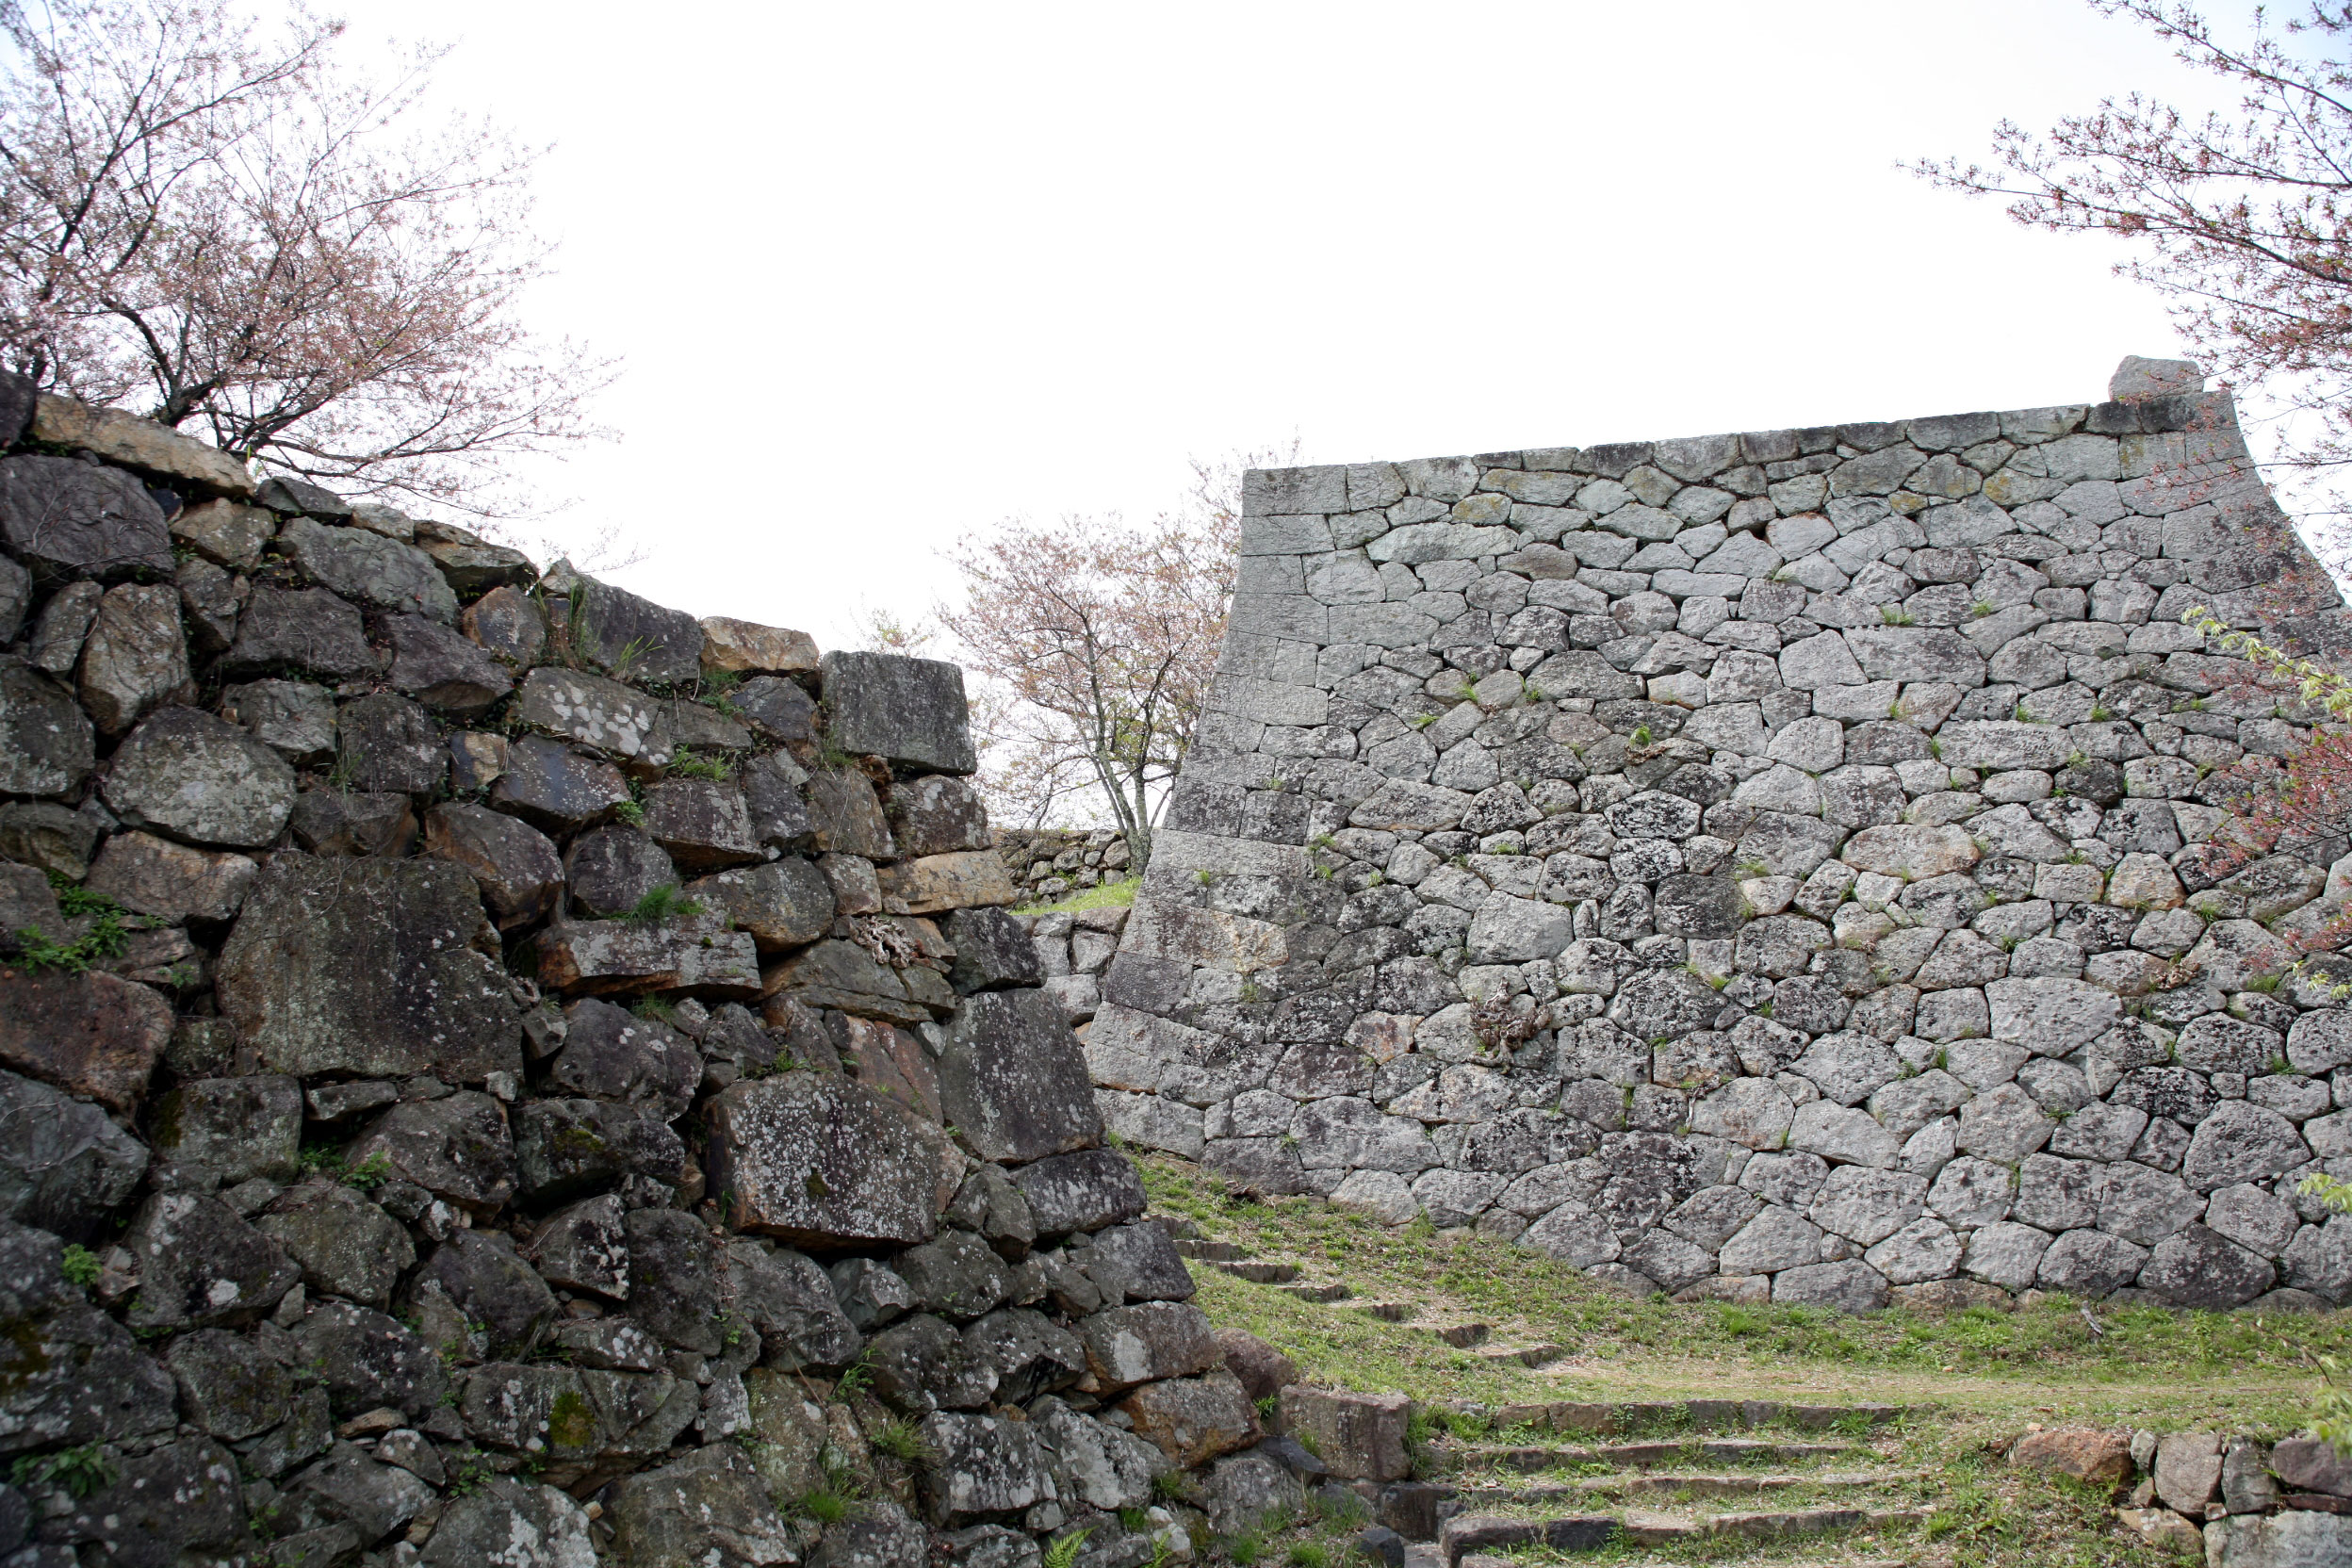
495 1070
1770 864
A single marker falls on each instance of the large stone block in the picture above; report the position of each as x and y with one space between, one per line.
90 1035
910 711
370 967
1013 1079
371 569
308 628
190 776
72 519
154 877
46 744
1358 1436
823 1162
64 1165
627 637
1084 1191
935 883
694 952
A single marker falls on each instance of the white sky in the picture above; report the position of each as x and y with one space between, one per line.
883 275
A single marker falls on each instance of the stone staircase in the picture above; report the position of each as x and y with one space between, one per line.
1703 1474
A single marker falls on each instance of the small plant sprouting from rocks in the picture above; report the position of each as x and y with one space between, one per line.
658 1009
369 1173
687 764
629 812
901 1439
1063 1551
80 1266
106 937
79 1472
664 903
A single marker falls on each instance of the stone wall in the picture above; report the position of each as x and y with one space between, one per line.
1046 864
498 1070
1772 864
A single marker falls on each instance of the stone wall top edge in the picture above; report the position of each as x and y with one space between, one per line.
2215 410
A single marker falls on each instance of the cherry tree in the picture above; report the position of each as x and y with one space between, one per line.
2241 219
220 227
1094 641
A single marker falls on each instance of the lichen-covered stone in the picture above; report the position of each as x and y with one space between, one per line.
910 711
77 519
370 967
188 776
821 1161
64 1167
1013 1081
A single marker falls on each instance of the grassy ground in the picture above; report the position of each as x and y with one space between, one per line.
1975 1378
1105 895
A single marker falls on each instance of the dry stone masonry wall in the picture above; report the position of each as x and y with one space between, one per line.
495 1070
1763 865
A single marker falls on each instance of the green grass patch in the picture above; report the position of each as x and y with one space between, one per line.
1106 895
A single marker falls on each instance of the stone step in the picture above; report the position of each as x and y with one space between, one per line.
1389 1312
1705 1415
1212 1251
1475 1535
1259 1271
1524 1355
1703 1484
1317 1292
1459 1335
1528 1458
1643 1528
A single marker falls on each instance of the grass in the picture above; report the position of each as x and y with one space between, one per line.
664 903
1106 895
2256 1369
1972 1381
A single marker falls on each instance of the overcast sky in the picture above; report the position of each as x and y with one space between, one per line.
884 275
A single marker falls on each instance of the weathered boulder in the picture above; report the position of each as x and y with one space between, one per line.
1012 1080
703 824
921 1363
201 1264
370 1360
1193 1420
367 567
609 871
64 1165
515 865
696 952
87 1034
1085 1191
172 882
226 532
334 823
910 711
293 718
986 1464
308 628
784 904
708 1509
1358 1436
442 669
179 1503
479 1271
75 1375
2084 1453
134 658
46 744
566 1147
937 814
190 776
237 1128
822 1161
625 636
370 967
512 1524
991 950
456 1147
65 518
613 718
793 1305
555 788
584 1247
939 882
344 1245
387 743
752 649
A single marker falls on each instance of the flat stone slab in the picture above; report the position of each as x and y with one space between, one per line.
822 1161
